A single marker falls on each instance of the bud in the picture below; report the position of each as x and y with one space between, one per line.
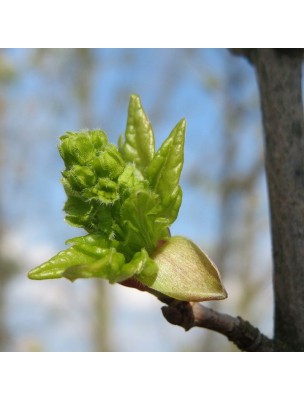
79 148
105 190
80 177
185 272
76 149
109 163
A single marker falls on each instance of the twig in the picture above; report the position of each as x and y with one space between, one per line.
245 336
189 315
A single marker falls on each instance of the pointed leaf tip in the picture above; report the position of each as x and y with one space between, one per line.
165 169
138 147
134 98
182 124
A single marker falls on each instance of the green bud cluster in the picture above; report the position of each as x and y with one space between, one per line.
91 180
126 198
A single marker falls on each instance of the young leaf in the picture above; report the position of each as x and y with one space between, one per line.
131 179
84 250
164 171
78 212
185 272
80 148
142 265
108 163
138 147
105 191
93 243
55 267
143 227
108 266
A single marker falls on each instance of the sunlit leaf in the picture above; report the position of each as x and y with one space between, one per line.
185 272
138 147
164 171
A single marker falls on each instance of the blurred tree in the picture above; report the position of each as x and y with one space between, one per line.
8 267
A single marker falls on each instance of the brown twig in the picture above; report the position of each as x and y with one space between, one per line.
188 315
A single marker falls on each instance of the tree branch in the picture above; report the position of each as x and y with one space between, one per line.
189 315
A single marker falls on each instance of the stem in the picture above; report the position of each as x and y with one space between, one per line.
188 315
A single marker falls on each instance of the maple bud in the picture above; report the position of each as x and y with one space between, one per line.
185 272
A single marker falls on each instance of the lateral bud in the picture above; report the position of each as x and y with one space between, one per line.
185 272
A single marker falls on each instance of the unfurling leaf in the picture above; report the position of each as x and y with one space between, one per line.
138 147
109 265
126 198
143 227
164 171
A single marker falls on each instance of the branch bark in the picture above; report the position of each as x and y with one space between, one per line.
245 336
279 77
189 315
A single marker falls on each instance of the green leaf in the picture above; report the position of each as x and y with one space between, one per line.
92 244
108 266
111 266
131 179
79 148
85 250
138 147
78 212
185 272
146 268
55 267
108 163
79 177
164 171
143 226
105 191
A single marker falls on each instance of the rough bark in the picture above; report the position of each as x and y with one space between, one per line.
189 315
279 78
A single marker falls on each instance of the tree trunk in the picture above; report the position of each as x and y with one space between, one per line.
279 78
279 74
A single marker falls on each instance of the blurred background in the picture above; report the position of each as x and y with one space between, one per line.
47 92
